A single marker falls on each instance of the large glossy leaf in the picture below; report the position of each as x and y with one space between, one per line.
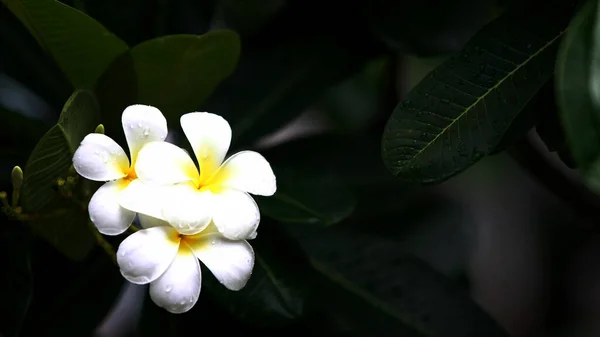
49 161
461 110
579 111
280 284
308 196
81 47
177 73
371 287
16 277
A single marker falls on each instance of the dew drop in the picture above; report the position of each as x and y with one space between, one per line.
182 302
168 288
191 300
122 253
213 242
139 124
146 132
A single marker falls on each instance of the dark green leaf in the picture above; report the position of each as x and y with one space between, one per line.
81 47
177 73
282 72
579 113
49 161
71 299
280 284
371 287
460 111
23 59
247 17
308 196
16 278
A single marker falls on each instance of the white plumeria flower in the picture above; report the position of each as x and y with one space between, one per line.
100 158
191 198
168 260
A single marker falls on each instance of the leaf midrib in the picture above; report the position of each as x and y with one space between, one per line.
482 97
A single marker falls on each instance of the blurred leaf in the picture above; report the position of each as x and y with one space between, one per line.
288 66
247 17
177 73
460 111
371 287
16 278
354 104
19 130
49 161
308 197
72 299
23 59
81 47
280 284
414 27
578 111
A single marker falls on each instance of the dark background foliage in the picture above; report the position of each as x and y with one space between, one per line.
436 162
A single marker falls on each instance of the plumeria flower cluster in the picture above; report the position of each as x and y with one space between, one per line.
188 213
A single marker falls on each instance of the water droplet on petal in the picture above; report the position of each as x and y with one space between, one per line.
140 124
213 242
182 302
122 253
191 299
168 288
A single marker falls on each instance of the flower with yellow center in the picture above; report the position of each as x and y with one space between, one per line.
168 260
171 188
100 158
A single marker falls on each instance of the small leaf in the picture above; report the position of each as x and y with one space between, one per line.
461 110
579 112
177 73
279 286
308 196
371 287
81 46
49 161
16 277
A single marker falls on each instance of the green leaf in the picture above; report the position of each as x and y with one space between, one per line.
579 111
280 77
177 73
371 287
308 196
461 110
50 160
280 284
16 277
81 46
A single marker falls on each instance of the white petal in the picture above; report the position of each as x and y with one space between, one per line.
147 221
210 137
146 254
247 171
106 213
143 198
178 289
100 158
163 163
235 214
142 124
230 261
186 208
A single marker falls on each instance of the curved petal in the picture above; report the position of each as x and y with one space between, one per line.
210 137
142 124
235 214
146 254
247 171
106 213
162 163
230 261
147 221
178 289
100 158
143 198
187 209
